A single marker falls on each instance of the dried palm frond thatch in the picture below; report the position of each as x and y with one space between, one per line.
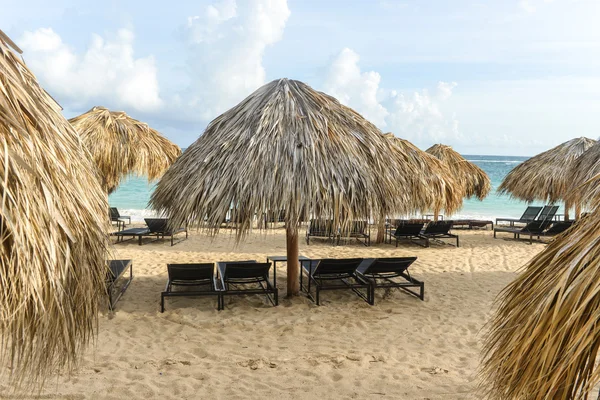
442 190
53 222
584 175
545 177
475 181
121 145
286 147
544 337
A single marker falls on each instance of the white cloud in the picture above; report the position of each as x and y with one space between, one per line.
355 88
414 116
227 43
106 73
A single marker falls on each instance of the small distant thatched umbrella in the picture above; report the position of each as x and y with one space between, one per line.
545 177
545 335
442 190
121 145
584 176
285 147
52 230
475 182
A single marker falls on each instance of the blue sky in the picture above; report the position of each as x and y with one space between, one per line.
510 77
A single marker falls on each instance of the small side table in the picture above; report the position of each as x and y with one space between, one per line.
276 259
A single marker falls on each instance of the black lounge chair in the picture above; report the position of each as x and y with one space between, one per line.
471 223
529 215
381 272
408 231
118 218
532 229
198 276
558 227
438 230
159 227
357 230
117 269
321 228
138 233
236 276
333 274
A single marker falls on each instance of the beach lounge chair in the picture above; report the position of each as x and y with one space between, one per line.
118 269
200 277
532 229
159 227
321 228
118 218
390 273
438 230
529 215
471 223
357 230
138 233
246 277
333 274
408 231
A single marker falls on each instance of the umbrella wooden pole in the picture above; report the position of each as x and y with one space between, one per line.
567 206
436 214
380 229
577 210
293 266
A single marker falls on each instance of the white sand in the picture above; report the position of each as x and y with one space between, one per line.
400 348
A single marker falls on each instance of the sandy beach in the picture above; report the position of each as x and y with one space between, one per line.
400 348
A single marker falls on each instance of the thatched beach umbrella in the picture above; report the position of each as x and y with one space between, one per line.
544 337
474 180
285 147
545 177
121 145
53 226
584 175
433 178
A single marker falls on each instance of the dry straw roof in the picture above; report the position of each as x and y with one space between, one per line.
545 335
545 177
121 145
53 219
476 182
584 175
285 147
431 177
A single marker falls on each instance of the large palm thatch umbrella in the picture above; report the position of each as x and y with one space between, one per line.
583 176
475 182
121 145
545 177
442 190
285 147
53 225
545 335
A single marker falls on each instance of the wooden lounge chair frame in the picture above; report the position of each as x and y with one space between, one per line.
321 275
382 272
116 270
233 275
191 275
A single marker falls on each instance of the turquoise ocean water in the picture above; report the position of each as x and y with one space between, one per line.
134 193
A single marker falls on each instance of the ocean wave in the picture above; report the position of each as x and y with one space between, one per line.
498 161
